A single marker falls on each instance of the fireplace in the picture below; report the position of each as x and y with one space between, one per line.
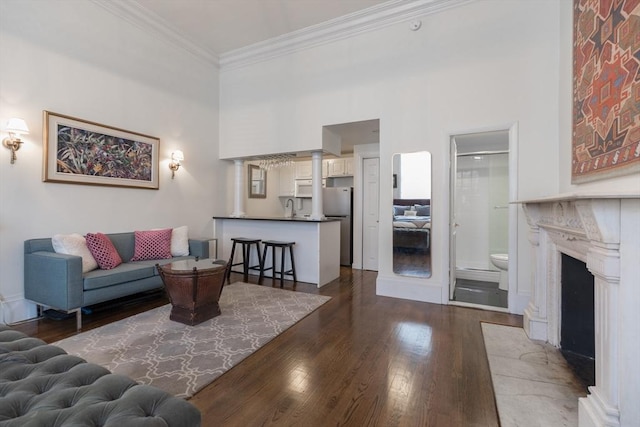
577 325
602 233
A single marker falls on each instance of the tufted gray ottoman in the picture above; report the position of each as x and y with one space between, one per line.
43 386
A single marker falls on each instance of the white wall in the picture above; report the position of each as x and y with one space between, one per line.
484 65
75 58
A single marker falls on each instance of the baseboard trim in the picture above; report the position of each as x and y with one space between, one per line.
414 289
17 310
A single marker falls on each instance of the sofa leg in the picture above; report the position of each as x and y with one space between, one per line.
78 318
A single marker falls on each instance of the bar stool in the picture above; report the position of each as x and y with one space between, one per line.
247 244
273 244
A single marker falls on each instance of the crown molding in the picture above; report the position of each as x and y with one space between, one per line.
382 15
376 17
148 21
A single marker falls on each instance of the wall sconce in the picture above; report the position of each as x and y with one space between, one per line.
14 127
176 157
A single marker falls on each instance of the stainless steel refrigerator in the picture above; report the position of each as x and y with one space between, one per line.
338 203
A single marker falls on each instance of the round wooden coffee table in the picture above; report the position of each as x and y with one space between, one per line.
194 288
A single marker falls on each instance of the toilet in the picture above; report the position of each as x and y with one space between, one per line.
501 261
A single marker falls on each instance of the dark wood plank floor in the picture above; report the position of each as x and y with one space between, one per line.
359 360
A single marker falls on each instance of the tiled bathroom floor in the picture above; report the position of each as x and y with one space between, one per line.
478 292
533 384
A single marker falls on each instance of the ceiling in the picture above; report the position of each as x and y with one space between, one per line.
355 133
221 26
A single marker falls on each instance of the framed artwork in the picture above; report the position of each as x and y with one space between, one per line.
606 89
81 152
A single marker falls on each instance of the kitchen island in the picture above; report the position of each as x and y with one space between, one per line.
316 249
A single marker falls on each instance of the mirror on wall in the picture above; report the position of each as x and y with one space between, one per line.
412 214
257 182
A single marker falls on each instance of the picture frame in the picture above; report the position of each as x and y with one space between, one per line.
257 182
78 151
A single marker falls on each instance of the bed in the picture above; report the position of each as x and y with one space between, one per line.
412 224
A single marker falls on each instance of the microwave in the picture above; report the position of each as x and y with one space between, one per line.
304 187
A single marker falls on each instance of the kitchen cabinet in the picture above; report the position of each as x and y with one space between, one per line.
317 254
348 166
340 167
287 181
304 169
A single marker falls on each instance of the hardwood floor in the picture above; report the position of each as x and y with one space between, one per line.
359 360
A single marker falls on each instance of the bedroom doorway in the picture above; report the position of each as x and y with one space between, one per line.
482 185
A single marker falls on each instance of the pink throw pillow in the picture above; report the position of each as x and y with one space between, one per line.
153 244
103 251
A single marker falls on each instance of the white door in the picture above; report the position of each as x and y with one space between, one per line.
370 207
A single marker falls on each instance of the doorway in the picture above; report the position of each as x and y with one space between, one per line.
482 186
361 140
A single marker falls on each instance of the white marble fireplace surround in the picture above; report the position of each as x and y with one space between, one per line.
604 232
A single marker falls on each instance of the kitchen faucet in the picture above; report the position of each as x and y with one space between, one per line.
293 213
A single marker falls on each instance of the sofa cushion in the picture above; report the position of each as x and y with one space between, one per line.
74 244
153 262
180 241
103 251
126 272
153 244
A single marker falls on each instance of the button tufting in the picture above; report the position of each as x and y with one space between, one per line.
42 379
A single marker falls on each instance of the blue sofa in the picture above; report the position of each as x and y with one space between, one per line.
56 280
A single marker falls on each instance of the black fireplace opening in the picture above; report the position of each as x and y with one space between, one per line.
577 329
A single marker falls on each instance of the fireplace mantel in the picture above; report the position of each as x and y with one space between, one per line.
602 230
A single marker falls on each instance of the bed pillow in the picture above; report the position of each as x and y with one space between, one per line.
180 241
423 210
74 244
152 244
410 213
103 251
398 210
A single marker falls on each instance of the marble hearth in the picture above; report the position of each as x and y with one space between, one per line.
604 232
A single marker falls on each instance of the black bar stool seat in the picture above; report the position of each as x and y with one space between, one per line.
247 244
273 244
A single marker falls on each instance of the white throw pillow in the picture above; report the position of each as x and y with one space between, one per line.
74 244
180 241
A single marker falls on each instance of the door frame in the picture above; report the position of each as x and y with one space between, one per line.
512 130
360 152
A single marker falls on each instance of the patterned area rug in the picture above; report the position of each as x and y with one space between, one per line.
181 359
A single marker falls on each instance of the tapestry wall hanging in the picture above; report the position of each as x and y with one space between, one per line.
81 152
606 89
